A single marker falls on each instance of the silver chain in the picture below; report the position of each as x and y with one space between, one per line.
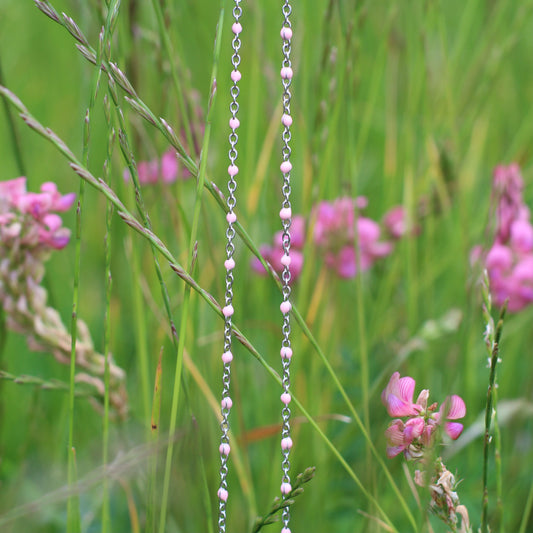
229 264
286 217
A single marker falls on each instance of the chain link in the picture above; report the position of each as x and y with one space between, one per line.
286 216
229 264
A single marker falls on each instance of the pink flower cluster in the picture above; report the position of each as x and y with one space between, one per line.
412 435
509 261
337 229
29 217
165 170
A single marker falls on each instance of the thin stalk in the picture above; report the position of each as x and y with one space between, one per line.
106 520
192 261
527 510
73 510
154 436
489 413
498 516
140 328
113 7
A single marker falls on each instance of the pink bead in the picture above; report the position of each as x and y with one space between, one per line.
286 120
234 123
231 217
286 33
229 264
227 357
233 170
285 530
285 167
236 75
286 260
286 443
224 448
286 398
285 352
285 213
226 403
227 310
223 494
286 73
285 307
236 28
285 488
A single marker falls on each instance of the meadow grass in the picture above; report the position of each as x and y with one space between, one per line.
402 102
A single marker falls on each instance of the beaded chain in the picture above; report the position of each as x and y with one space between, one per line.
229 265
286 216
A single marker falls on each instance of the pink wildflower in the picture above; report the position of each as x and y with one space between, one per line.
395 222
416 433
334 233
28 215
510 258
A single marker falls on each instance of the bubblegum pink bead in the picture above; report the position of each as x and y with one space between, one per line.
227 310
223 494
231 217
285 307
286 33
286 352
227 357
286 120
233 170
234 123
285 260
236 75
286 398
286 443
229 264
224 448
285 488
285 167
236 28
285 213
226 403
286 73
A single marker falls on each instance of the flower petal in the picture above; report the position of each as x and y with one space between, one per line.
454 429
454 407
398 407
393 451
413 429
406 389
394 433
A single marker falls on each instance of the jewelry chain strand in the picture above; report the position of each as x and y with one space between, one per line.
229 264
286 216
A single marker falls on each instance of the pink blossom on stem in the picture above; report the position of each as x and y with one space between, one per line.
510 257
334 233
413 435
28 215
